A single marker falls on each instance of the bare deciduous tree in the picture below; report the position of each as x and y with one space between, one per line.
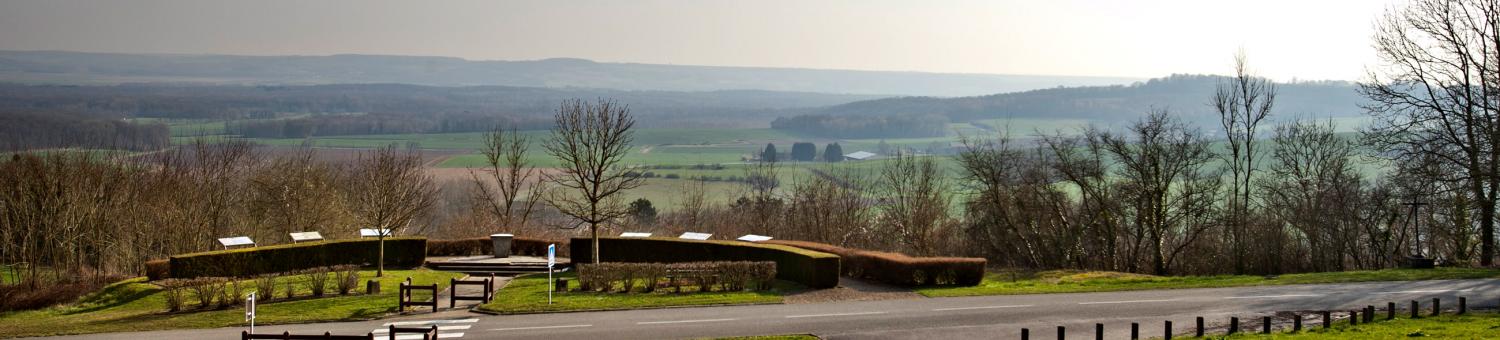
505 163
590 140
388 189
1162 165
1242 103
914 206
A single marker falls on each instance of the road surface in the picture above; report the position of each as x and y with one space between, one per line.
991 317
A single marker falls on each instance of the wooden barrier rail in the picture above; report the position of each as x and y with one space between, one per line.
1367 312
406 297
246 335
488 284
427 333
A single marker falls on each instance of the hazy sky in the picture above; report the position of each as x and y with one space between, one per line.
1305 39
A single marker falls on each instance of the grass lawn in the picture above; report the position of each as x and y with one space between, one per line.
528 294
1073 281
1471 326
134 305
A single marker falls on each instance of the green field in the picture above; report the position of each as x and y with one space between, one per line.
134 305
1074 281
1484 325
528 294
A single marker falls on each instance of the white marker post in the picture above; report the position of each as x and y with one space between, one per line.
250 311
551 260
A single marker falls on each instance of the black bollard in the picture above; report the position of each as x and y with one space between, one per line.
1062 333
1025 334
1369 314
1296 322
1390 310
1353 318
1098 331
1135 331
1435 306
1265 322
1327 319
1234 325
1168 331
1414 309
1463 305
1199 332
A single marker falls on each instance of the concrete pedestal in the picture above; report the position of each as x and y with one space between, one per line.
501 243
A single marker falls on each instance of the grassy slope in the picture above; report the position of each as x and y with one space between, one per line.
1069 281
1471 326
134 305
528 294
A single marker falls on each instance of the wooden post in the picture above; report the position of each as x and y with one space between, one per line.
1062 333
1414 309
1369 314
1296 322
453 294
1199 332
1135 331
1353 318
1463 305
1234 325
1265 327
1327 319
1025 334
1168 331
1436 306
1098 331
1390 310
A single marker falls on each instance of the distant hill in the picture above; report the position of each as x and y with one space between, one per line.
1187 96
108 68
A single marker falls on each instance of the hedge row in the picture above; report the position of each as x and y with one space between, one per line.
482 246
810 268
728 276
399 252
900 269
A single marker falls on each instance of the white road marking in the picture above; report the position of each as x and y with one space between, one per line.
440 329
540 327
429 322
1271 296
835 314
1426 291
1131 301
983 307
681 321
441 335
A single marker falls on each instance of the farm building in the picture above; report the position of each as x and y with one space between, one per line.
859 156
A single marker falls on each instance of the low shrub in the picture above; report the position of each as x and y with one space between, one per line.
265 286
399 252
174 293
727 276
158 269
317 280
483 246
345 277
231 294
206 289
809 267
899 269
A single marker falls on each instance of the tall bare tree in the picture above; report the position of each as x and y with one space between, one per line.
1435 93
914 199
387 190
1242 103
1161 163
505 164
590 140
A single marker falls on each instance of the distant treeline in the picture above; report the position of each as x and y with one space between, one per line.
375 124
884 126
37 130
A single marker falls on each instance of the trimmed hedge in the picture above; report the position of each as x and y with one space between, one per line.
899 269
810 268
399 252
158 269
481 246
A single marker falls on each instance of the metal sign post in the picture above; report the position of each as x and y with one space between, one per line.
551 261
250 311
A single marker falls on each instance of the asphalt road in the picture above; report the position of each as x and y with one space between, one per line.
989 317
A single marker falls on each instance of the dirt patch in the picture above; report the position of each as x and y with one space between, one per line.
853 290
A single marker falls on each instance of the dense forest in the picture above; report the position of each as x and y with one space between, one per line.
24 130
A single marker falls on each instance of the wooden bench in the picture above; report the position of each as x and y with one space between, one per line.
246 335
427 333
488 284
406 297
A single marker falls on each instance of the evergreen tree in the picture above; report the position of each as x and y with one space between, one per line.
833 153
804 152
643 212
769 154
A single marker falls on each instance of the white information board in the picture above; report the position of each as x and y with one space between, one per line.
695 236
754 238
635 235
306 236
236 241
374 232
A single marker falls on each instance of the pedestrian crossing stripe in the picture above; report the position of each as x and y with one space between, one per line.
429 322
440 329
